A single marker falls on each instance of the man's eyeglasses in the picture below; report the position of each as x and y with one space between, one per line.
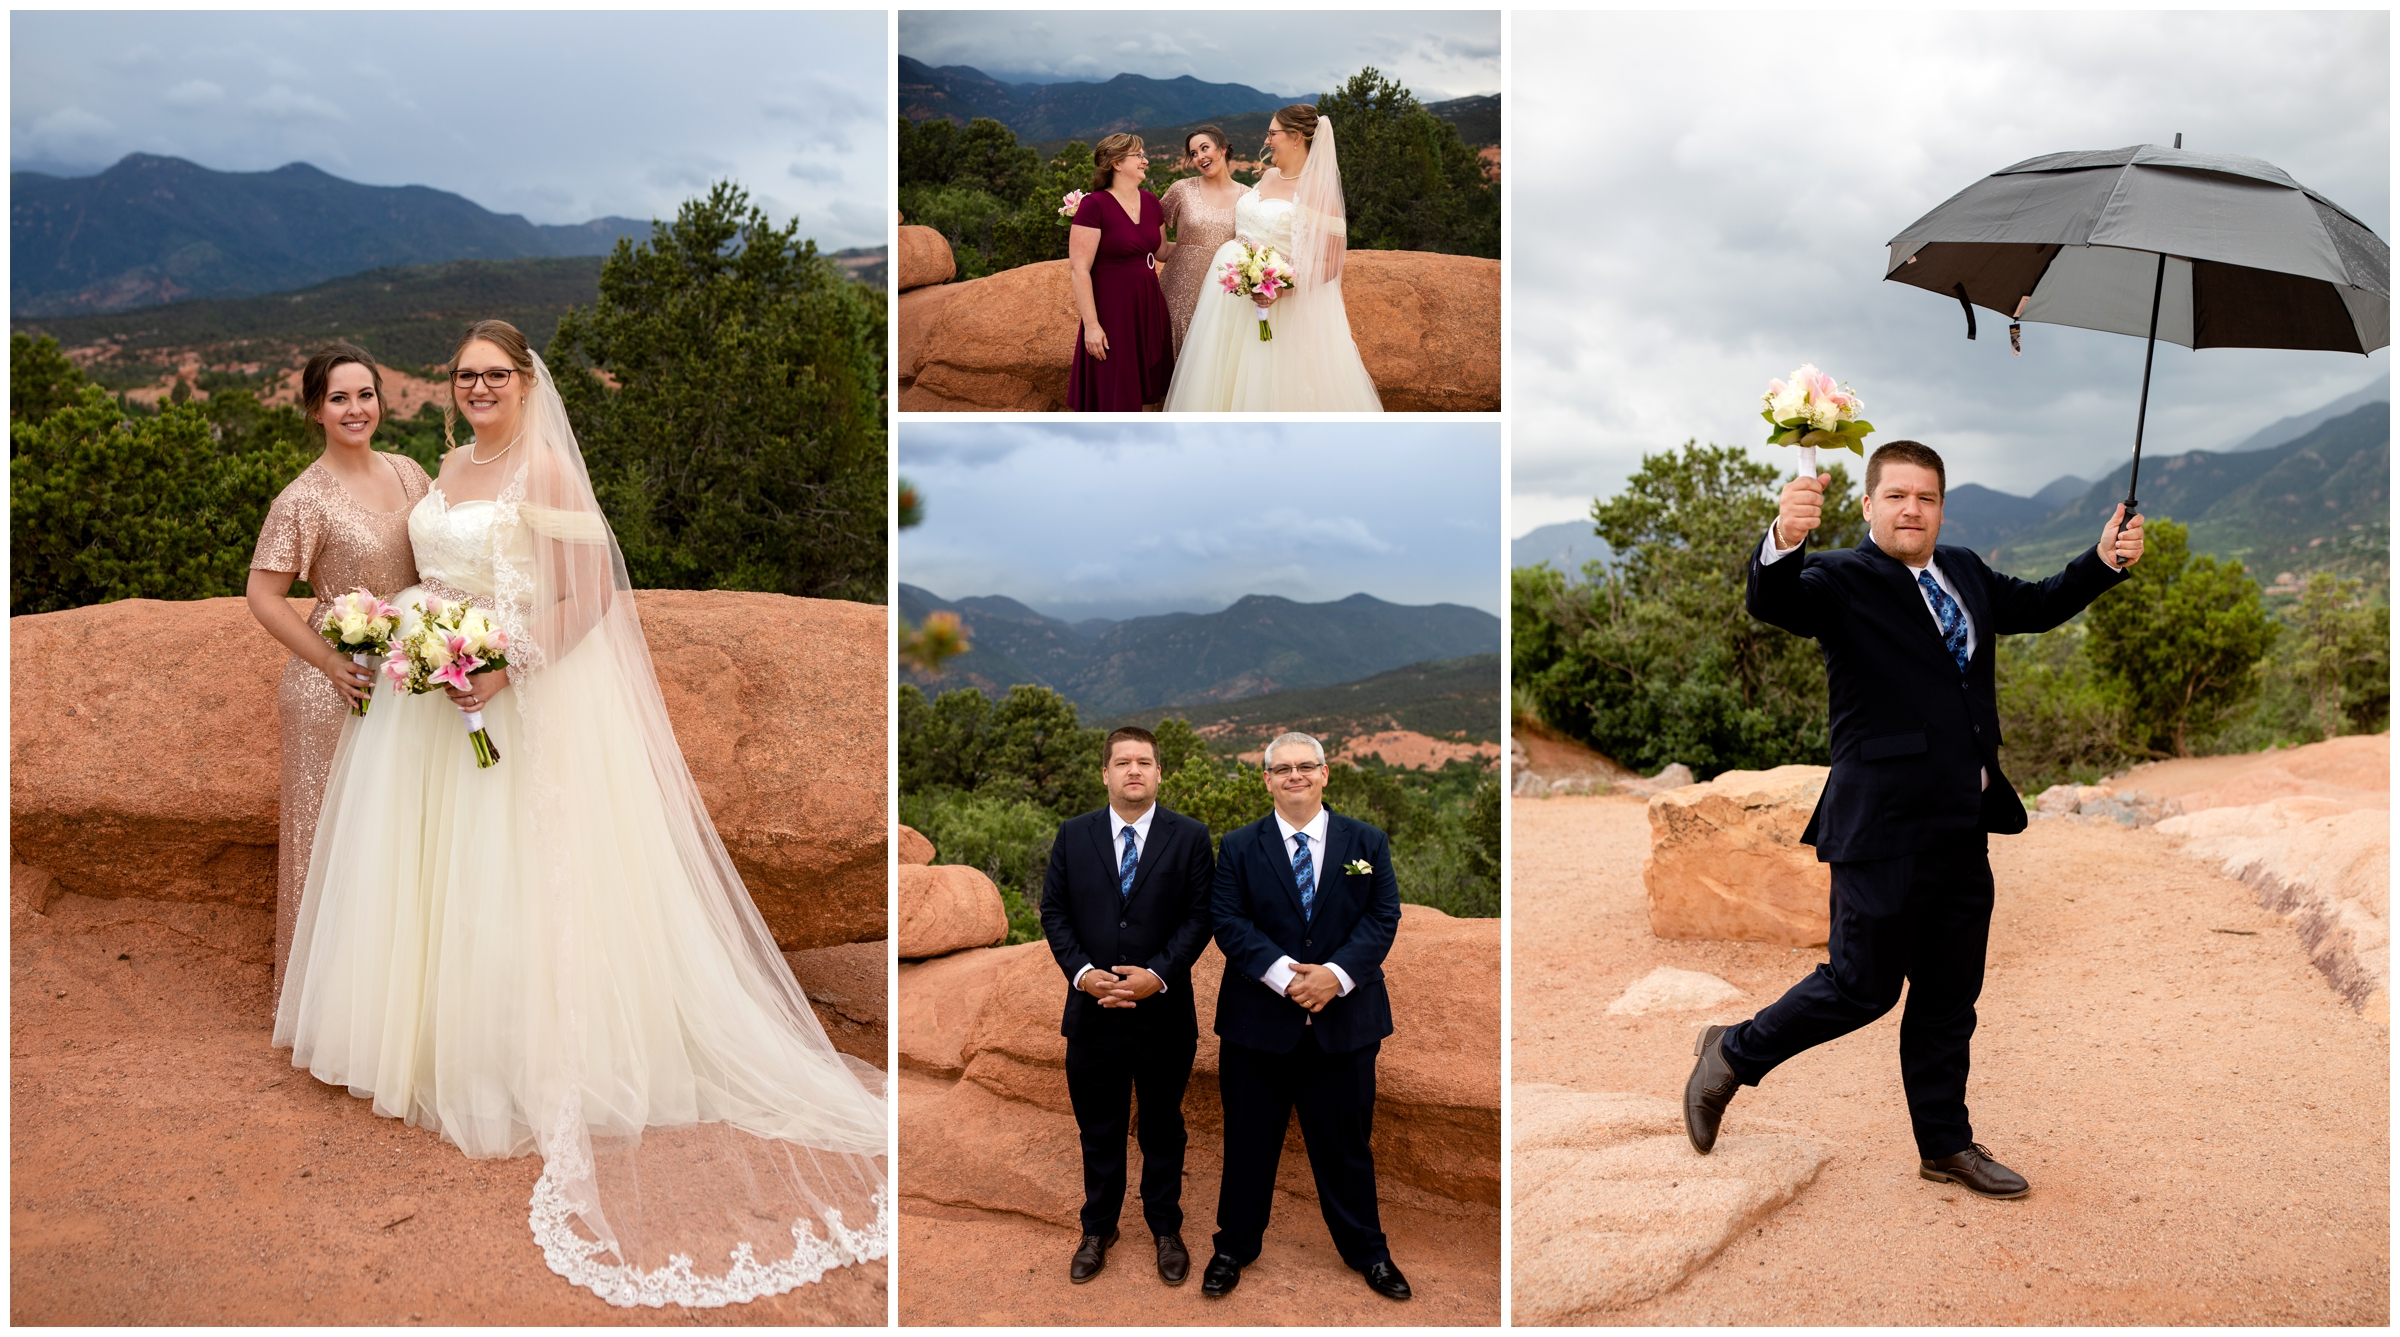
497 378
1290 769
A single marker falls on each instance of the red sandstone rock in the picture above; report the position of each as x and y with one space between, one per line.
939 1000
1427 326
946 908
848 987
1726 861
925 258
1437 1126
144 749
914 848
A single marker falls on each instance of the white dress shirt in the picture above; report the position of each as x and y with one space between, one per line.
1769 554
1117 827
1279 976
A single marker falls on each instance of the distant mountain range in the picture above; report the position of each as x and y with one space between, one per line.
2321 500
2300 424
1062 111
1449 698
154 229
1477 120
1261 644
1566 546
408 316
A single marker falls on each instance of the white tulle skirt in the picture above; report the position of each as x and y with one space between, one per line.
1310 366
436 972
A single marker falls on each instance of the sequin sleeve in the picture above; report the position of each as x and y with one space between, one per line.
295 527
413 479
1171 203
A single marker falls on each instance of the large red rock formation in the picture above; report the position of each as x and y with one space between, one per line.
144 749
1427 325
1726 860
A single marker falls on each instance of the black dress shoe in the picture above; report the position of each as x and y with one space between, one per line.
1090 1257
1708 1090
1975 1171
1385 1280
1222 1276
1173 1263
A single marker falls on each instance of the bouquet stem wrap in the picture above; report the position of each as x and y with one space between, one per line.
486 755
367 662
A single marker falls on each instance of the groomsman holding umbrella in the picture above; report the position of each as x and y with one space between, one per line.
1125 908
1907 628
1306 906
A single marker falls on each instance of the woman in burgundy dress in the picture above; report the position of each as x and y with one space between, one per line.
1124 353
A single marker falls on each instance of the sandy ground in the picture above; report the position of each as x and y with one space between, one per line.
167 1166
960 1266
2205 1124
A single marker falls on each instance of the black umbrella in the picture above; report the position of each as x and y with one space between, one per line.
2203 250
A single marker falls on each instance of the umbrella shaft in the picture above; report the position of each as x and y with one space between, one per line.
2158 288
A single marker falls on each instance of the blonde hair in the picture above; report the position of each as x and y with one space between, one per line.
499 334
1301 119
1111 151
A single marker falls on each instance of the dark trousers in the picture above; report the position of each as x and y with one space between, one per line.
1104 1076
1923 918
1335 1094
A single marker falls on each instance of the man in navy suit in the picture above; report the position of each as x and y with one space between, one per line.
1906 628
1125 907
1305 907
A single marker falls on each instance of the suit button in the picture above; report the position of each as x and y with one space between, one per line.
1120 923
1308 942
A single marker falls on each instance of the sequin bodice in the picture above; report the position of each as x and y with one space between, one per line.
318 531
454 542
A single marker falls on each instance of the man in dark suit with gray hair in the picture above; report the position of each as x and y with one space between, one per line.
1306 907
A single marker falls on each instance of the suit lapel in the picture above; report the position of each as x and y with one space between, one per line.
1271 846
1337 845
1902 583
1973 595
1150 850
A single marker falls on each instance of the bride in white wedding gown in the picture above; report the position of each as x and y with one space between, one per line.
1311 365
555 954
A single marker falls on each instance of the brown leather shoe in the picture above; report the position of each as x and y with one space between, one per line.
1708 1090
1174 1264
1090 1257
1975 1171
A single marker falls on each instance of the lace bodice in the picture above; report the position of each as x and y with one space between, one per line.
1264 222
454 543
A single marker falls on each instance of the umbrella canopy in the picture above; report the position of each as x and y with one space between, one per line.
2251 258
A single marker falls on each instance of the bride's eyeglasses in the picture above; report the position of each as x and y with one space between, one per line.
497 378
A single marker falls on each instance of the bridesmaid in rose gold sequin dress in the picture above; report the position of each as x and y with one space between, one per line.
1200 209
341 525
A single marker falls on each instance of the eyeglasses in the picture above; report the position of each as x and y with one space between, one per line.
497 378
1291 769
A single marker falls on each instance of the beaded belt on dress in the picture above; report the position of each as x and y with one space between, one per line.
451 594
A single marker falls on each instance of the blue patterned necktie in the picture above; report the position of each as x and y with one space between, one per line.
1125 868
1306 873
1947 612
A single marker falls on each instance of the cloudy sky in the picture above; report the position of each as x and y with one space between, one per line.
561 117
1714 212
1124 520
1438 55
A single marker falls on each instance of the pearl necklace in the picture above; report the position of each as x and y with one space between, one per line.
512 445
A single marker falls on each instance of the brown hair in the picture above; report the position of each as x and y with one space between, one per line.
316 378
1301 119
1108 748
501 335
1112 150
1215 136
1906 452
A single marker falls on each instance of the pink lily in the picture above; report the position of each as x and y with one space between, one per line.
454 673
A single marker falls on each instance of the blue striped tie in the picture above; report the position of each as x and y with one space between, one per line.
1306 873
1125 868
1947 612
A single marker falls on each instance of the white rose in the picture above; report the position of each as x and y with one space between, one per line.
354 627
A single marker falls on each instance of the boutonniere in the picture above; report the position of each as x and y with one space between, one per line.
1358 866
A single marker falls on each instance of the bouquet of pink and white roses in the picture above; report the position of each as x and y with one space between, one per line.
360 626
1257 272
1068 203
441 645
1809 411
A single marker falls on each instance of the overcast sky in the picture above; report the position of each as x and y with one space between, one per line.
561 117
1439 55
1714 212
1123 520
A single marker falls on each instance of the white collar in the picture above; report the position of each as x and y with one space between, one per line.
1315 829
